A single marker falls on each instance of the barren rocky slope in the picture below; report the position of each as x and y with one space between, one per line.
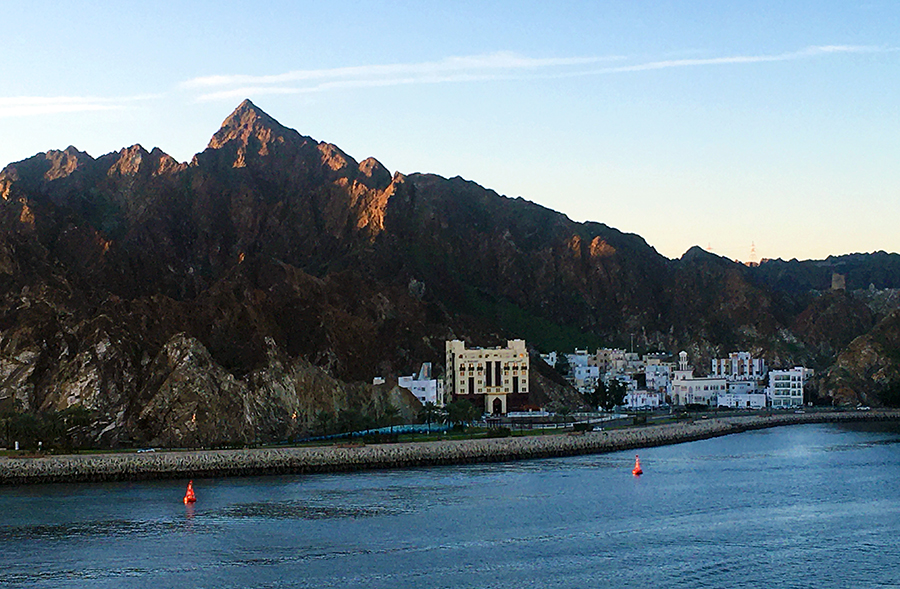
233 297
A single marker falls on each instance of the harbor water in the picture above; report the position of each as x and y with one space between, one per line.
801 506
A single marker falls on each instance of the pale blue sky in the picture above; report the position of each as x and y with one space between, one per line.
686 122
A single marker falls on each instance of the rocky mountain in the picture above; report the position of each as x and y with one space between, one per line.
867 371
880 270
235 297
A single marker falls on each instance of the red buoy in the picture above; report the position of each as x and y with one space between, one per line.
636 471
189 494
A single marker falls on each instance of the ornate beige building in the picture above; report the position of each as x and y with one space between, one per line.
494 379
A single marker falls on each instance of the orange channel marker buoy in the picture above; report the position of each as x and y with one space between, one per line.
636 471
189 494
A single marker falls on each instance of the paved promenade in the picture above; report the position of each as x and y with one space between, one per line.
248 462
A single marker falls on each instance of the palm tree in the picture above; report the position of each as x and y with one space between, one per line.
390 416
430 413
461 412
323 418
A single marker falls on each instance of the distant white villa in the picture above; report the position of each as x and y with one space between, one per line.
426 388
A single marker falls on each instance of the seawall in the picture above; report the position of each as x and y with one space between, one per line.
267 461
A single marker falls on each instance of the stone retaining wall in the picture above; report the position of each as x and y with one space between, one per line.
248 462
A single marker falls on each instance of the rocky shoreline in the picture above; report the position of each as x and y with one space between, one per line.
342 458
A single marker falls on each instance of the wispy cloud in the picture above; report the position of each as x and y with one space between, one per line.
21 106
494 66
806 53
499 61
452 69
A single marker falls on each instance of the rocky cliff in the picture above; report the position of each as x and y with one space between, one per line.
234 297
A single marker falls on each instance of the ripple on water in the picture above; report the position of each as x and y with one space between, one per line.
102 529
303 511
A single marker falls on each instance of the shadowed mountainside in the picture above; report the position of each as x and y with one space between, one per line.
232 298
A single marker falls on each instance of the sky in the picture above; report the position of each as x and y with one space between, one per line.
755 130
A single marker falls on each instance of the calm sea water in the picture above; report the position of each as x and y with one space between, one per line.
802 506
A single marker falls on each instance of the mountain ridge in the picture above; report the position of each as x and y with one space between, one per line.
270 244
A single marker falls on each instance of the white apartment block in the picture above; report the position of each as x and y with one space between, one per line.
425 388
739 366
786 386
490 377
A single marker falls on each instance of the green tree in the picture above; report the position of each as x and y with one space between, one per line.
595 397
431 413
461 412
78 421
607 396
562 365
24 428
323 419
351 420
390 417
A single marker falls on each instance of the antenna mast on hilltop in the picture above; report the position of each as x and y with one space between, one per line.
753 259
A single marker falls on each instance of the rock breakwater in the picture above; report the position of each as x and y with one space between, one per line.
266 461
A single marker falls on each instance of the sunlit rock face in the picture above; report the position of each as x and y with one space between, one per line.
231 298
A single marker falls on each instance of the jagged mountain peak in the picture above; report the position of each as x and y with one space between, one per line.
698 254
246 121
373 173
134 160
47 166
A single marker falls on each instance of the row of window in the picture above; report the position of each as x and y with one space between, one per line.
480 368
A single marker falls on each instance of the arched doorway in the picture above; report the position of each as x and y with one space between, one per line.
497 407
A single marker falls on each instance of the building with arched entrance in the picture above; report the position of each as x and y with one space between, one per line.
494 379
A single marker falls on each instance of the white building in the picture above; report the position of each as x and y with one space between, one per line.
633 363
586 378
745 387
739 366
610 360
550 359
755 400
688 389
642 400
495 379
579 358
424 387
659 378
786 386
